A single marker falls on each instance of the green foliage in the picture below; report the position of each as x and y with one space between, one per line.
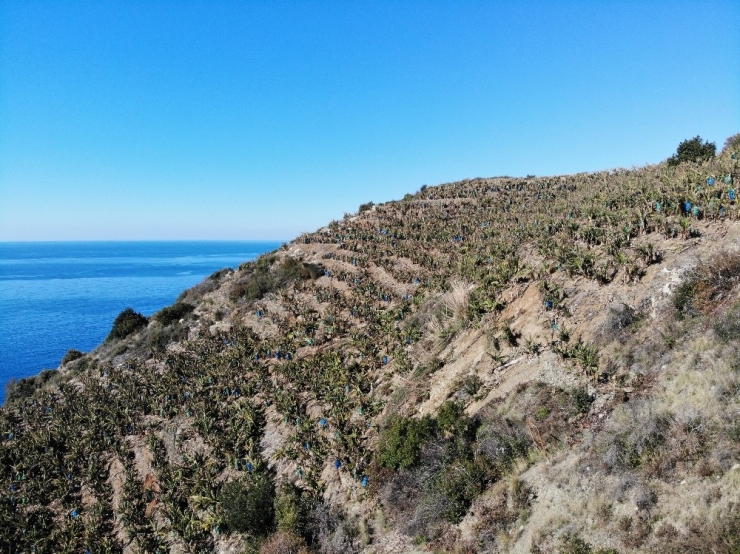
19 389
126 323
472 385
72 355
460 482
263 277
693 150
402 441
292 509
727 327
586 355
248 505
510 336
581 400
157 337
382 283
573 544
452 419
683 298
623 318
542 413
482 302
365 207
173 313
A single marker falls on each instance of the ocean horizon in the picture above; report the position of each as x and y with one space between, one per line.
58 295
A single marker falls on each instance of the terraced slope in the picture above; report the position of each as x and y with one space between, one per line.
492 365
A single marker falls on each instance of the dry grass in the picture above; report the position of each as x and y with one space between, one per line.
456 300
284 542
716 281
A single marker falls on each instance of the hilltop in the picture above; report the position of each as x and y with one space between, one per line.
539 364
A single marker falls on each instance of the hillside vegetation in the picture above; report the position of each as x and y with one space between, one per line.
539 364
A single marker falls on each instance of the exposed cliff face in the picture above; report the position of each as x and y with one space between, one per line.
539 364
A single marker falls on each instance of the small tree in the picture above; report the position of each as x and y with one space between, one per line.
402 441
732 142
693 150
248 505
173 313
127 322
72 355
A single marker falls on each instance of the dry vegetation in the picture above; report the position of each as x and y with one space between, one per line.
526 365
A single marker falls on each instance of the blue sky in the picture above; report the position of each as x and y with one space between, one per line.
256 120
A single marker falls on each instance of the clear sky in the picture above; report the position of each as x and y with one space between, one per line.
251 120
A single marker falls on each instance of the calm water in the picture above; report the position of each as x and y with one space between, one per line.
60 295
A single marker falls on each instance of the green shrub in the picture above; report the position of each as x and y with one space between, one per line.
19 389
127 322
248 505
292 509
573 544
623 318
683 298
262 278
727 327
472 385
402 441
72 355
502 441
451 417
460 482
510 336
581 400
293 270
693 150
176 312
365 207
159 337
586 355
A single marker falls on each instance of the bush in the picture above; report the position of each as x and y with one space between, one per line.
459 483
284 542
402 441
262 278
683 299
693 150
623 318
292 509
451 418
709 285
19 389
581 400
366 206
573 544
248 505
732 142
331 532
127 322
72 355
502 441
727 327
176 312
157 338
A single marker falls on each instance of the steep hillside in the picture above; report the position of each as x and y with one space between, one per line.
540 364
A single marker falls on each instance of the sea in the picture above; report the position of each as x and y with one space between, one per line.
60 295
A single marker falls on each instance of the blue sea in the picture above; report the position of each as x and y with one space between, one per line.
60 295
